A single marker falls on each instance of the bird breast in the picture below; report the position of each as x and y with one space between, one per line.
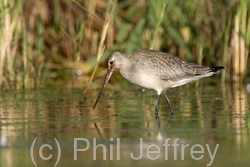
140 77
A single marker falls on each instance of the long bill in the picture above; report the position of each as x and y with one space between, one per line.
108 75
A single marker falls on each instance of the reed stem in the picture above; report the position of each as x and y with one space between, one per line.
101 47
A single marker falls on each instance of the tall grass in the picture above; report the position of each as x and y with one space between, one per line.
240 40
158 10
44 40
101 47
9 30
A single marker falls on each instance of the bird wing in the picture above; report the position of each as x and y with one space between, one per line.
166 66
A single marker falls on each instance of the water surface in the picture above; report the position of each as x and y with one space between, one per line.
207 115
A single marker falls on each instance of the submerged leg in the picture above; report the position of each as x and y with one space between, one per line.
169 103
158 121
157 107
170 121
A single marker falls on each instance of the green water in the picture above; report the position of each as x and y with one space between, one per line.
207 115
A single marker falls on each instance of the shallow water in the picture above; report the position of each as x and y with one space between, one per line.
211 126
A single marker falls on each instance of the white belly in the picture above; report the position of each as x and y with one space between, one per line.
143 79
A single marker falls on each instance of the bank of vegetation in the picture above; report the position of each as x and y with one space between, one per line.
45 39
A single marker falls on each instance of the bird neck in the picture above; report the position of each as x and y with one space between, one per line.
126 64
126 69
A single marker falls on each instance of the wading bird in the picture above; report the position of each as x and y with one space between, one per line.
156 70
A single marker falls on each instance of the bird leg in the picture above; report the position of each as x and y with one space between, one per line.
157 107
169 103
158 121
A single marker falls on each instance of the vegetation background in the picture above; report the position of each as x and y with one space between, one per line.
49 40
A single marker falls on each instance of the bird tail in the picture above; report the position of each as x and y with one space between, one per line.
216 69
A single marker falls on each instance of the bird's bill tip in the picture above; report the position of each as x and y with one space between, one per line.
108 75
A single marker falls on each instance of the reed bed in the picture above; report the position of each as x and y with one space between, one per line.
51 39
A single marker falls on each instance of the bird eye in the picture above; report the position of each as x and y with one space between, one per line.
111 62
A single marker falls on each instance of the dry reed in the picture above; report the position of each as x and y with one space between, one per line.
51 39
